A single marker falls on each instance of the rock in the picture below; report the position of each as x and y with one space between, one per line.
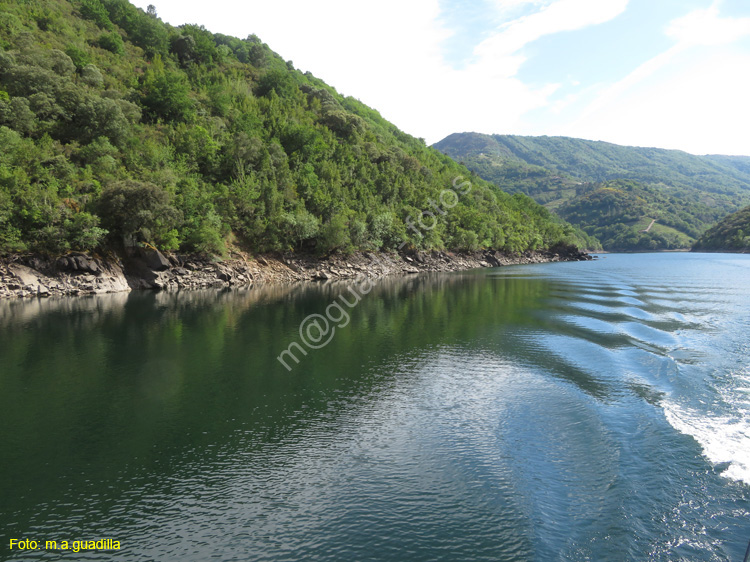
154 259
82 264
26 275
37 263
149 269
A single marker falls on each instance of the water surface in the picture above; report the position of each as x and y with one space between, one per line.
573 411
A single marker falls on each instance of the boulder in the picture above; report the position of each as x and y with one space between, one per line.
67 264
26 275
154 259
82 264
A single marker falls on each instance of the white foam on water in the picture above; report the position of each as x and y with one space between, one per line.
725 438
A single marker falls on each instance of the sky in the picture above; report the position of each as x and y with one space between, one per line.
659 73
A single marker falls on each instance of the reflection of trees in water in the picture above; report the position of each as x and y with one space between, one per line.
146 358
162 338
88 310
123 377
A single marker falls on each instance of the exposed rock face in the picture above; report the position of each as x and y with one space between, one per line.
75 274
80 274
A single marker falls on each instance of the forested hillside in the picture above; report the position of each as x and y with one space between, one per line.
626 216
731 234
685 194
119 129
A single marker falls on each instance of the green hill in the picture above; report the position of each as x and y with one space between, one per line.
684 193
732 234
119 129
626 215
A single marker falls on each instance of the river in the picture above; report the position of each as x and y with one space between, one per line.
568 411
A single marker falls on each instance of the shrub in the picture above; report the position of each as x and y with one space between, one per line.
111 42
82 231
334 236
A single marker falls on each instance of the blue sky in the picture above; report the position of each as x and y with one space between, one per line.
664 73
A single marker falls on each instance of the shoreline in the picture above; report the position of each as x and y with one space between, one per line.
78 273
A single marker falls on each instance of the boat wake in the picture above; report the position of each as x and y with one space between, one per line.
724 431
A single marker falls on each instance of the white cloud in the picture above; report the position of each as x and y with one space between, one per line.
563 15
613 94
699 109
706 27
689 97
489 97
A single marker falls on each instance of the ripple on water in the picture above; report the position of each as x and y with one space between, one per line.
567 426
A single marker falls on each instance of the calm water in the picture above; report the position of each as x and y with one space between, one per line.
578 411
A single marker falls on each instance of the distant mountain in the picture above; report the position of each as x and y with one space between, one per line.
626 215
740 163
732 234
684 193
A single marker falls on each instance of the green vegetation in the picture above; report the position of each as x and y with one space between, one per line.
731 235
573 177
619 212
118 129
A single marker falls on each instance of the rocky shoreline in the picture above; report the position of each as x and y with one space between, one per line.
148 269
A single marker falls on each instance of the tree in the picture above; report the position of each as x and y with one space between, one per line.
136 211
302 223
165 94
18 115
184 47
92 76
95 11
99 117
143 29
